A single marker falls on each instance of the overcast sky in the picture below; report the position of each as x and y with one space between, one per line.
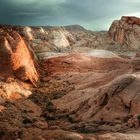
92 14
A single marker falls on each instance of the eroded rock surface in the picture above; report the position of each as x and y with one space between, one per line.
47 41
104 95
89 95
16 57
126 31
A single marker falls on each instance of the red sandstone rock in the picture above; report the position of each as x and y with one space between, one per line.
127 32
131 20
103 93
80 62
98 100
16 57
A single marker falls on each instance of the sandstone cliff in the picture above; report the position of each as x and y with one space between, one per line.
48 40
126 31
16 57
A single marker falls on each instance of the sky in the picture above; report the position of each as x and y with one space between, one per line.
91 14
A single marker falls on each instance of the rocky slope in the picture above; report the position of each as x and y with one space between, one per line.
122 38
48 41
84 94
126 31
16 57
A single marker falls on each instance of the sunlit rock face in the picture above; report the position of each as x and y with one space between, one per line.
59 39
12 91
42 30
45 40
16 57
127 32
28 33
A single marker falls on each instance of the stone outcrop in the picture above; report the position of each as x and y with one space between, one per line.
127 32
105 94
12 90
16 57
58 37
46 40
84 95
119 136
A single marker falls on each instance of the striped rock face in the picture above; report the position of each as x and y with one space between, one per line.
16 57
127 32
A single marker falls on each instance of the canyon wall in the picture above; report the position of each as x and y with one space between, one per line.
126 32
16 57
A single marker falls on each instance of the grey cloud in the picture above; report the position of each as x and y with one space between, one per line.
92 14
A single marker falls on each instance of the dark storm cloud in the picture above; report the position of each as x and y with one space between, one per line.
93 14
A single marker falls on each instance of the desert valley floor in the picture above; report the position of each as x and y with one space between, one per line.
69 83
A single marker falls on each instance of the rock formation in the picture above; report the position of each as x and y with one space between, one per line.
127 32
48 40
16 57
83 93
105 93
